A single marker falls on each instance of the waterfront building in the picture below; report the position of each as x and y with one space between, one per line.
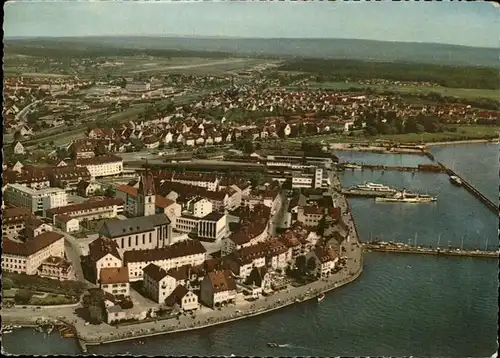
139 233
26 257
115 280
157 283
325 259
38 201
218 288
278 255
189 252
57 268
184 298
244 260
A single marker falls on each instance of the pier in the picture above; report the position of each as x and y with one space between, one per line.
431 168
471 189
407 249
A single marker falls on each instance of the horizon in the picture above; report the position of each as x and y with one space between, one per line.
223 37
405 22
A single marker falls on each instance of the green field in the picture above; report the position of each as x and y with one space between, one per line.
445 91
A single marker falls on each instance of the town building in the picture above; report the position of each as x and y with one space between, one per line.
57 268
26 257
102 166
38 201
103 252
184 298
88 210
14 220
157 283
218 288
18 148
189 252
139 233
67 223
325 259
310 215
87 188
213 226
115 281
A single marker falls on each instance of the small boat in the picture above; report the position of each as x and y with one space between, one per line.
50 329
7 331
273 345
456 180
321 297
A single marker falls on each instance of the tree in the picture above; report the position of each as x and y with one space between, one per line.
7 283
95 314
18 136
110 192
23 296
311 264
320 230
300 263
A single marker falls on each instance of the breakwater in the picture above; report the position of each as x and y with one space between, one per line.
407 249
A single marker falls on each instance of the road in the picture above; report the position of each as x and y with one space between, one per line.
277 220
73 252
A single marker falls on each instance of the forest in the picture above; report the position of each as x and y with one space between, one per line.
446 76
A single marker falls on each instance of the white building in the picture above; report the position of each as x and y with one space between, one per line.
184 298
98 167
325 260
27 257
115 281
190 252
67 223
212 226
103 253
200 207
38 201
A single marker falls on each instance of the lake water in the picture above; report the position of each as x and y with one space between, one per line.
402 304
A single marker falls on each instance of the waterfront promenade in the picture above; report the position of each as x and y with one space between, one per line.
103 333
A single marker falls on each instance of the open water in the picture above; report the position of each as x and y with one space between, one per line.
402 305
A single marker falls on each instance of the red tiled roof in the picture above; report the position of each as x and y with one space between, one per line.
221 281
31 246
110 275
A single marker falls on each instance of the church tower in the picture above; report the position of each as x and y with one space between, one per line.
146 195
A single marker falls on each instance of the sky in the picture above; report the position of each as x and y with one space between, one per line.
460 23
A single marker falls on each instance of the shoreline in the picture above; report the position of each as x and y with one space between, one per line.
468 141
83 342
105 334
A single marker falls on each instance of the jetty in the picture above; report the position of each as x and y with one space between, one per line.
408 249
471 189
431 168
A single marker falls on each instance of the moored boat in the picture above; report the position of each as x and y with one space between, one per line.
405 197
367 186
456 180
321 297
